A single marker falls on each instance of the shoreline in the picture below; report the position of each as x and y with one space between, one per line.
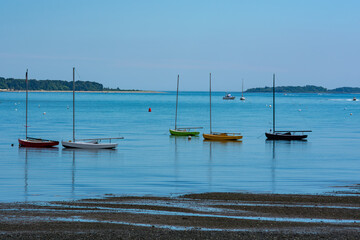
196 216
58 91
150 91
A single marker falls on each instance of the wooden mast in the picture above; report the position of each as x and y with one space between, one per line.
274 103
27 86
177 96
73 104
210 105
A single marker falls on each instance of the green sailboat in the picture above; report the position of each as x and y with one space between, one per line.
183 131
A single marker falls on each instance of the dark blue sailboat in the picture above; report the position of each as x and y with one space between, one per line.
284 135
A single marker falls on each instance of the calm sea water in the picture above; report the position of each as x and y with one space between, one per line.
149 161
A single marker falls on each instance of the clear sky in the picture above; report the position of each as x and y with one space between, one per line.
138 44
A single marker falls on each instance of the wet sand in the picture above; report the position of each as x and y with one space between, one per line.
193 216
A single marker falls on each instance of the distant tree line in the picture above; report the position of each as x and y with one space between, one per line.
119 90
345 90
305 89
52 85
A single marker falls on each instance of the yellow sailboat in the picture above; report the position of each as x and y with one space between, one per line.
215 136
220 136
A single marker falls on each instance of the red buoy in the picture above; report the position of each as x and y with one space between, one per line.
149 109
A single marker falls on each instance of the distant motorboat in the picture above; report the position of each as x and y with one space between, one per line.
228 96
354 98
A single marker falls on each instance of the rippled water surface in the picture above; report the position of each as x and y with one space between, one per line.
149 161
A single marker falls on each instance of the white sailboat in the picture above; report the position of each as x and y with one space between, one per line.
94 143
242 91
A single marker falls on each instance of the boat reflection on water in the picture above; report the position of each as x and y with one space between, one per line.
26 176
278 147
84 154
210 165
220 152
176 159
181 146
88 154
224 143
273 164
29 154
46 171
72 151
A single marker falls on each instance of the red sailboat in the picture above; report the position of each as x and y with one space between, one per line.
29 141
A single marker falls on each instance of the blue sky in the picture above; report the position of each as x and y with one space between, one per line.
145 44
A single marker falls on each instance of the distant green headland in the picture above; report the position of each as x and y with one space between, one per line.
305 89
54 85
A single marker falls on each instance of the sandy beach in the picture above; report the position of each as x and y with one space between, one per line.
193 216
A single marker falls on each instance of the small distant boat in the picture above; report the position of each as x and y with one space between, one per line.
228 96
220 136
283 135
242 91
94 143
184 131
354 98
29 141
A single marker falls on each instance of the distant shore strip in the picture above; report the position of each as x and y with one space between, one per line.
59 91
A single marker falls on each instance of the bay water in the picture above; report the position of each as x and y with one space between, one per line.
148 161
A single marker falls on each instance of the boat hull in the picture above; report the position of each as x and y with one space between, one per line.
222 137
89 145
38 143
284 136
228 98
183 133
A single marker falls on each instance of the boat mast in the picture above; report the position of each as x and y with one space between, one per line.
73 104
274 103
27 86
210 105
177 96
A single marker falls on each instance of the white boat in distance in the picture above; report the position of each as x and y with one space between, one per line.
242 91
94 143
228 96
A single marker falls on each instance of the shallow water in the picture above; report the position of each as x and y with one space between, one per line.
149 161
